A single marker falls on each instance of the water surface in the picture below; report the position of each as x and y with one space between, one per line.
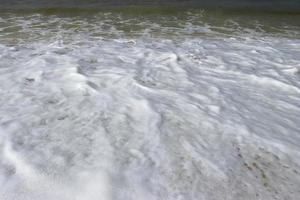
148 103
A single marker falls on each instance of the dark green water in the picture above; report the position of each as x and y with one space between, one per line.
291 6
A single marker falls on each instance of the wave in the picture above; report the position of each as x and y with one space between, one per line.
86 116
117 106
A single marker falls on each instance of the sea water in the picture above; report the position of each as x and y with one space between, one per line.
149 103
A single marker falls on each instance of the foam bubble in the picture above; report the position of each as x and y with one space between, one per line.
100 108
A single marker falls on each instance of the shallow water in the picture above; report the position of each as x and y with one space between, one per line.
149 104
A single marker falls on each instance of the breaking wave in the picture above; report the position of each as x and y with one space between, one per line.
112 105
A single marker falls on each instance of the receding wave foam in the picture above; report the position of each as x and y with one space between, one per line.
113 107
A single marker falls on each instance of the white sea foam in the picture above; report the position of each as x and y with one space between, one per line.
187 112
